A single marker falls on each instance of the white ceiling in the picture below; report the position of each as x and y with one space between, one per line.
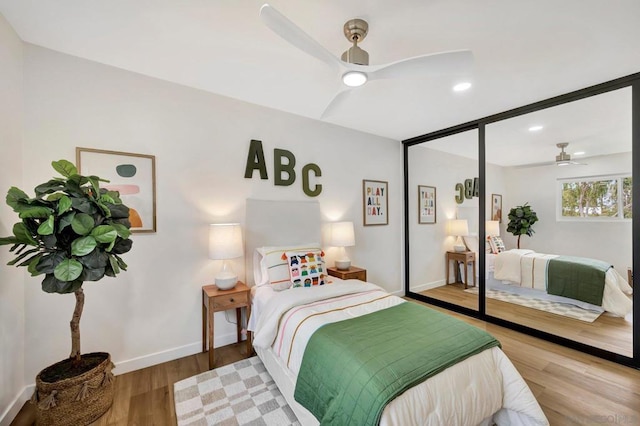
524 51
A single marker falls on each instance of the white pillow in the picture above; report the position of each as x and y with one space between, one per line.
274 270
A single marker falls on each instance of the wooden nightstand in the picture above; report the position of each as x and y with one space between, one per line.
353 273
216 300
466 257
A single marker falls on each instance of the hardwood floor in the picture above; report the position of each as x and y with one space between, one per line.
572 388
607 332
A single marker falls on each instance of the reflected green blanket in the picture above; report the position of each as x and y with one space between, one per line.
351 369
578 278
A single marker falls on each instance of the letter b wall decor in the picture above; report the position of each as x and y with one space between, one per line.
284 163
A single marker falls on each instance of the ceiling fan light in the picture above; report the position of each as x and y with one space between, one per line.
354 78
563 163
536 128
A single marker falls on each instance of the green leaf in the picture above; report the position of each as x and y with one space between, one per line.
104 233
35 212
8 240
83 246
48 262
23 235
123 231
113 262
66 220
83 205
64 204
49 187
32 265
118 211
96 186
94 260
92 274
65 168
82 224
68 270
52 285
106 198
122 246
55 196
121 263
22 256
47 227
28 261
14 195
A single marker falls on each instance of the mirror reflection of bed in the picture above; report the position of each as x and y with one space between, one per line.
521 167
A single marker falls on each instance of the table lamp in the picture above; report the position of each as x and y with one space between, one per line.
459 228
492 228
225 242
342 235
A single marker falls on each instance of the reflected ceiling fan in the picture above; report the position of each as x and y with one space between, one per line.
564 159
353 67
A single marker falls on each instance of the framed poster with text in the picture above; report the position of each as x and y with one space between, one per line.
375 202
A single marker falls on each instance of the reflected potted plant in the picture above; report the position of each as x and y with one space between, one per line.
72 231
521 220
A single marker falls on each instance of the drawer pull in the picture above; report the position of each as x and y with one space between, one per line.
231 300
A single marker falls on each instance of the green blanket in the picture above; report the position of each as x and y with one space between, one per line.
578 278
351 369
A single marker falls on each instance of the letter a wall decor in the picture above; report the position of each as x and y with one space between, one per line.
375 202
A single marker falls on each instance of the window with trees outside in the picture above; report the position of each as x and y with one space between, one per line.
596 197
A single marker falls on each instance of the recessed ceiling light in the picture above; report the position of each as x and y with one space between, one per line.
536 128
461 87
579 153
354 78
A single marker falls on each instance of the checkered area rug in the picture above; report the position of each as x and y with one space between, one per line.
563 309
242 393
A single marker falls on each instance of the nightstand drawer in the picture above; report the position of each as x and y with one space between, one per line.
353 273
229 301
359 275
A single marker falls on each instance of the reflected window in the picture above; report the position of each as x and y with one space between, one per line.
601 197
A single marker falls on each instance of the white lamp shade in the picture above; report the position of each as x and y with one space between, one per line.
459 227
492 228
342 234
225 241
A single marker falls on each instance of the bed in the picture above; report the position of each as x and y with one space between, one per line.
583 280
480 387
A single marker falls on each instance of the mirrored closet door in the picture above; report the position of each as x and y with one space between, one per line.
443 219
571 165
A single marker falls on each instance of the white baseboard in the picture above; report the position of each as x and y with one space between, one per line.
145 361
427 286
16 405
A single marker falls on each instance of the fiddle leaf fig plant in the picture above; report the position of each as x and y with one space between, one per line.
72 231
521 220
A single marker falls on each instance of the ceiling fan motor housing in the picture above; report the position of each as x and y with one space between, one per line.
355 30
563 156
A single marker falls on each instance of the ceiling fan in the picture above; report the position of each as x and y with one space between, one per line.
353 67
564 159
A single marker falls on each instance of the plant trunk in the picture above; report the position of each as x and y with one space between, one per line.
519 240
75 326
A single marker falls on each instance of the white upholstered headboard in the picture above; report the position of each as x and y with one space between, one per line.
276 223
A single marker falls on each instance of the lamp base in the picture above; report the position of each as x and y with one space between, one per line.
459 248
343 265
226 283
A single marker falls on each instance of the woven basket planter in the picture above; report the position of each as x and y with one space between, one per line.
78 400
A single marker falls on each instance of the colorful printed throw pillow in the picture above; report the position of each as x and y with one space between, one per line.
497 245
306 268
277 268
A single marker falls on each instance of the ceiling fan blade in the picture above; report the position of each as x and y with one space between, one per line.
281 25
335 103
418 66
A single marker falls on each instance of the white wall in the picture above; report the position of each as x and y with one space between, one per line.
152 312
11 279
608 241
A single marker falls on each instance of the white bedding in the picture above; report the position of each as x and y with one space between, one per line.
478 390
527 268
